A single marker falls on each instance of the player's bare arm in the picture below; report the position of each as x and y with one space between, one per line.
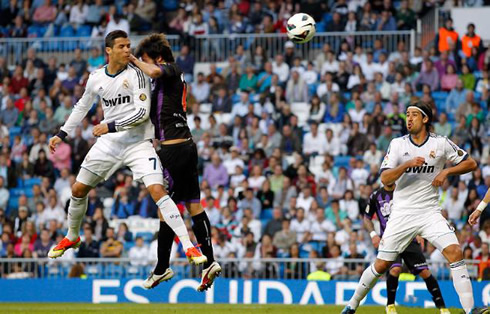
475 215
463 167
148 66
389 176
375 238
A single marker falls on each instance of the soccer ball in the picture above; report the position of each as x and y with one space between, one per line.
301 28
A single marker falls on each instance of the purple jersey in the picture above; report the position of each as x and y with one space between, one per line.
168 104
380 203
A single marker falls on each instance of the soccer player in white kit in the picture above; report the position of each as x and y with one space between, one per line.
124 139
416 163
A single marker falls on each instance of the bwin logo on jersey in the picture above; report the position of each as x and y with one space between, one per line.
422 169
116 101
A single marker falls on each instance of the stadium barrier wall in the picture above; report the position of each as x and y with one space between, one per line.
227 291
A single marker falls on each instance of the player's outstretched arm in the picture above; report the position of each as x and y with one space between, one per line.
76 116
481 207
463 167
152 70
389 176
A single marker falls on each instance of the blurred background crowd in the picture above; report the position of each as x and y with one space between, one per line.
289 147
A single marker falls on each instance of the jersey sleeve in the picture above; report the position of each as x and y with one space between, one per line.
142 104
453 153
80 109
168 70
371 206
391 158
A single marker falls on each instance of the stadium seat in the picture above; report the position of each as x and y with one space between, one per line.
266 214
342 161
147 236
29 183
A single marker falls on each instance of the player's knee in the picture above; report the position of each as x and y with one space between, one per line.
453 253
80 190
194 208
395 271
156 191
425 274
382 266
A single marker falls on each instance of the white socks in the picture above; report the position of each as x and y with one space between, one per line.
76 212
174 220
368 279
462 285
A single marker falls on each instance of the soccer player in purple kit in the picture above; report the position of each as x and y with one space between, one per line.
178 154
380 203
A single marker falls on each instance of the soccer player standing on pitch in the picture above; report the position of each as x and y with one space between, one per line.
178 154
416 163
124 139
380 203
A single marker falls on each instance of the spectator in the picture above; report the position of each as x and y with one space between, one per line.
111 247
45 14
215 173
289 142
449 79
467 77
186 63
249 202
296 89
281 69
200 88
406 18
78 62
428 76
123 207
42 245
139 253
117 22
301 226
78 14
54 211
442 127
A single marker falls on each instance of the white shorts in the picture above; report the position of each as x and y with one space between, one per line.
106 157
402 229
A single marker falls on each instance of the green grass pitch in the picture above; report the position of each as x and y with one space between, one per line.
68 308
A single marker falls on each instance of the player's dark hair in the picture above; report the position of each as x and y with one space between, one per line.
156 45
110 39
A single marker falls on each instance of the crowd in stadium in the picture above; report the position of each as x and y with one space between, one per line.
277 181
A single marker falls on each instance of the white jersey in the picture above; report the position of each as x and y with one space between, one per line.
414 191
125 99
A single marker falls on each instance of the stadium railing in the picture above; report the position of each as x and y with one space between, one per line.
205 48
265 268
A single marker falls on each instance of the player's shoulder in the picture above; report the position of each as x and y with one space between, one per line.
97 72
135 70
397 141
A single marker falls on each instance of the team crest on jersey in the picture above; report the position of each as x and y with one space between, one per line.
126 84
143 97
432 154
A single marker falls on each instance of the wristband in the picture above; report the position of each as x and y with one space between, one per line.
481 206
61 134
372 234
112 126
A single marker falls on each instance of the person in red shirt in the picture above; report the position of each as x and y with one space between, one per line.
18 80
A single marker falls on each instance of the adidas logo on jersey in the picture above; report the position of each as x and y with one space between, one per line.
423 169
116 101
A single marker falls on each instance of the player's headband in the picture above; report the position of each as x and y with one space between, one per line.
417 108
